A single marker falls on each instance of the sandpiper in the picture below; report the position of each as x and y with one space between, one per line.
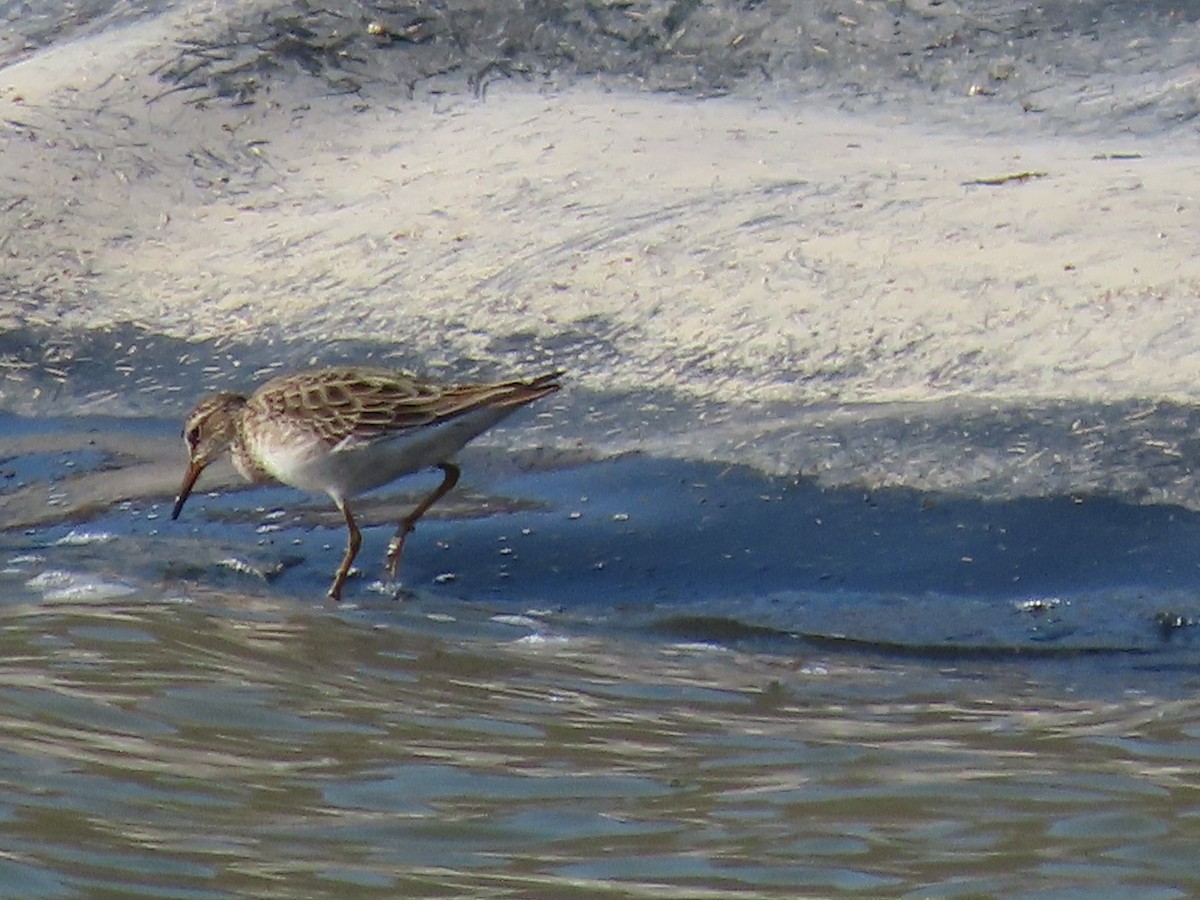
345 431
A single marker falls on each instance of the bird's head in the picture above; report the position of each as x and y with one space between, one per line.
209 430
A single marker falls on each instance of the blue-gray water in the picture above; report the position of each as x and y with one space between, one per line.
632 678
637 675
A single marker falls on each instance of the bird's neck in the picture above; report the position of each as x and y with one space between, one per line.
243 459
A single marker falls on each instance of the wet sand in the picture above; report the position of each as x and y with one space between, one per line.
731 278
974 303
734 250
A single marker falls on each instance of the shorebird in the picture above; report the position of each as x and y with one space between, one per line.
345 431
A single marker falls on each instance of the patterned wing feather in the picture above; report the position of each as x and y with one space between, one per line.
364 403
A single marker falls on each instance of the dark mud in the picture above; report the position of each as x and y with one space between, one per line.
1095 66
1082 66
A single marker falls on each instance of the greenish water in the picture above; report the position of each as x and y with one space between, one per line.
223 744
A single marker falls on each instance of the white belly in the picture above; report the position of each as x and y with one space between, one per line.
299 458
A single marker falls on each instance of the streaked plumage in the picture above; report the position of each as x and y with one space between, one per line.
344 431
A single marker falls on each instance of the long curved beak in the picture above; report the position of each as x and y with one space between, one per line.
185 489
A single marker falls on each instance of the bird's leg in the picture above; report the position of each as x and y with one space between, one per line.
355 541
396 544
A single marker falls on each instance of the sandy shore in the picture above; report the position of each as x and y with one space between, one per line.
718 251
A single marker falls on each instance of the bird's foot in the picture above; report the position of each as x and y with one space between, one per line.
394 552
339 581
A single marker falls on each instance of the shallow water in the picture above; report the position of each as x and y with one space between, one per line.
627 680
219 744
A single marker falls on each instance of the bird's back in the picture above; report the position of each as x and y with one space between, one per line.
343 431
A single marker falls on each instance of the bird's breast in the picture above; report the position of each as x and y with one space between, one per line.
297 456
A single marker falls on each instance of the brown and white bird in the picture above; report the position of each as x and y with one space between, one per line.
344 431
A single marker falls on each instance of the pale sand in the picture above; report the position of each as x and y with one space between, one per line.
725 249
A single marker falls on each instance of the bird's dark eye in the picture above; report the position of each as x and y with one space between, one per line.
192 436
